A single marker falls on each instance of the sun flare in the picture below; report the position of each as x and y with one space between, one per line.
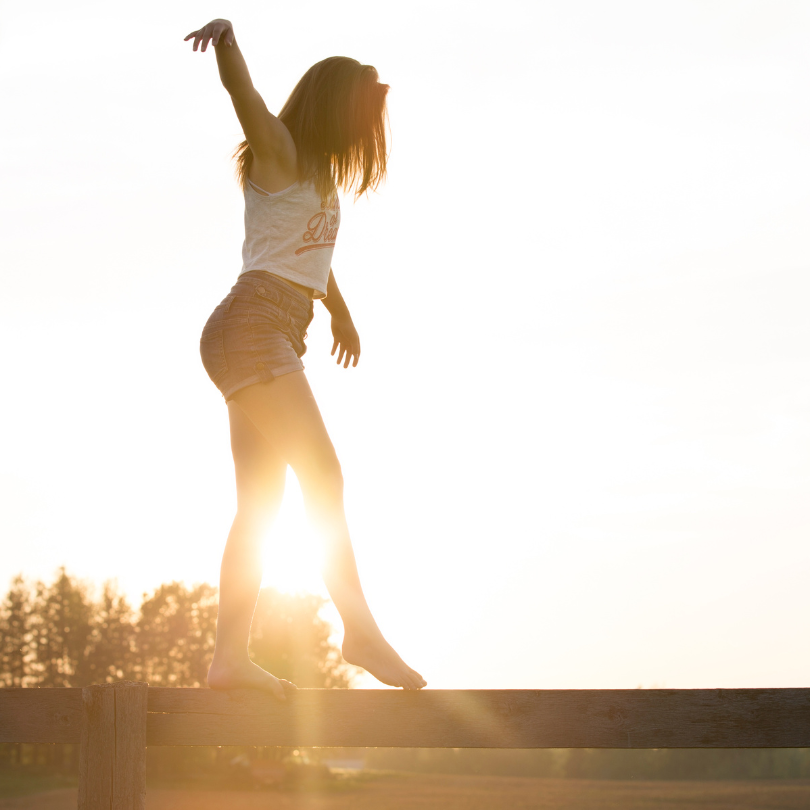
292 556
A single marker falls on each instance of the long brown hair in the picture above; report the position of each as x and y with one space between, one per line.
336 115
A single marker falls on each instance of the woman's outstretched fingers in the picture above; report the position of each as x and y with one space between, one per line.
224 32
347 355
199 39
212 33
218 30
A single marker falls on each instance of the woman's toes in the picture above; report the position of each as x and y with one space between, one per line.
416 679
276 687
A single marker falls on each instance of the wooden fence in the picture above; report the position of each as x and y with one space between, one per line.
114 723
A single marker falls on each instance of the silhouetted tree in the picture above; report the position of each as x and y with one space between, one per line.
176 631
60 632
112 655
15 635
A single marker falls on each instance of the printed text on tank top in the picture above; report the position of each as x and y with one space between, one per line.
291 233
322 227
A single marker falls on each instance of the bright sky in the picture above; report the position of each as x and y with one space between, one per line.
577 446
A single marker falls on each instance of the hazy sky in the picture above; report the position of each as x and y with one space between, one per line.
577 445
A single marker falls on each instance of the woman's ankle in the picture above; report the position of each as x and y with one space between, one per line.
228 656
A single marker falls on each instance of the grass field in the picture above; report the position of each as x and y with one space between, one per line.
423 792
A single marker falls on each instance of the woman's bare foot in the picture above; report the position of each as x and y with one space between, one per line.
378 657
244 674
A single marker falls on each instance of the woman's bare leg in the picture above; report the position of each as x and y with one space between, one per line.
260 478
285 413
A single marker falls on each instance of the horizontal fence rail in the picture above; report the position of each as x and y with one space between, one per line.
114 723
41 715
613 718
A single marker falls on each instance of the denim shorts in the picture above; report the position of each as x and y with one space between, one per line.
256 333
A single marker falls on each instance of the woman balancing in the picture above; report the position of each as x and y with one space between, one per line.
330 133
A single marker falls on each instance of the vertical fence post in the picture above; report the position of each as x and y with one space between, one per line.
112 760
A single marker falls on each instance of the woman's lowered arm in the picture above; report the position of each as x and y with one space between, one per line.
343 331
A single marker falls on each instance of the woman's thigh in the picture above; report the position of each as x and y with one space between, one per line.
285 413
261 472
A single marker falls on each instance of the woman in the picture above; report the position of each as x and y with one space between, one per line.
330 132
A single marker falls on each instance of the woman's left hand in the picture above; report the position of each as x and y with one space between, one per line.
347 339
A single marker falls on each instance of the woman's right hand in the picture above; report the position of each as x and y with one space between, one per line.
213 32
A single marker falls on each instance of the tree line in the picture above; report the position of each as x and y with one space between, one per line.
62 634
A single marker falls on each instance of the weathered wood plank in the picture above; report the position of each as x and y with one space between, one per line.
631 718
41 715
112 762
129 790
97 753
660 718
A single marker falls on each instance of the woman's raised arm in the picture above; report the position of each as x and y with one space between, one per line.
269 139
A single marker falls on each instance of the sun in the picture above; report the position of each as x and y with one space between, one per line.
292 556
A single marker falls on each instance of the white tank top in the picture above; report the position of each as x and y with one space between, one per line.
291 234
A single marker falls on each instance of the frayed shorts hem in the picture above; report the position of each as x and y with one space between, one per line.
277 372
